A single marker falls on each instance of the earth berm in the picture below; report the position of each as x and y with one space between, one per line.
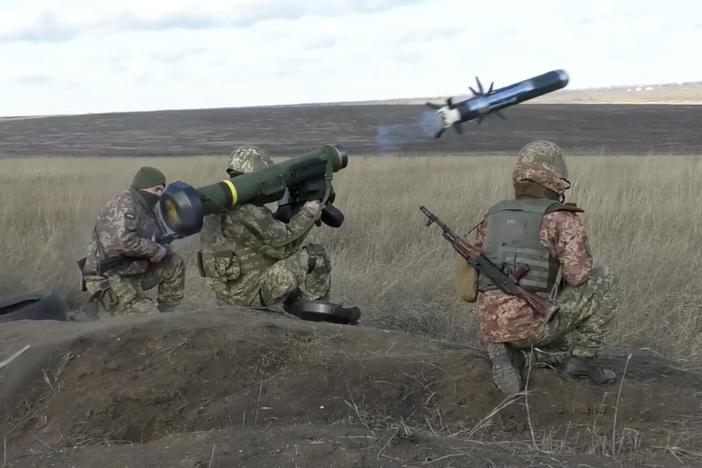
226 388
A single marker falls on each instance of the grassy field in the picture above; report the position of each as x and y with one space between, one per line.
642 213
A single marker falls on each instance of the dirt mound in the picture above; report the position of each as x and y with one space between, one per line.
253 387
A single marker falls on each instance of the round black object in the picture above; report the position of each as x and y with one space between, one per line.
332 216
325 312
181 208
44 305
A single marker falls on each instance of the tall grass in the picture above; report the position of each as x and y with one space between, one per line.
643 215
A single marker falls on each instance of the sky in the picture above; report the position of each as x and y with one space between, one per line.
83 56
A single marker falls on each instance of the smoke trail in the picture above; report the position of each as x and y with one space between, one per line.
391 137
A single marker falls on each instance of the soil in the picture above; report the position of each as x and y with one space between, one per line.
223 387
362 129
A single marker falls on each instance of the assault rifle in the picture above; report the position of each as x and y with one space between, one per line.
507 283
113 262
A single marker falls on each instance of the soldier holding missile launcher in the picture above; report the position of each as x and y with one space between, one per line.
253 256
253 259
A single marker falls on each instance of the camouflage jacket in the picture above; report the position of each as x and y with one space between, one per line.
258 240
505 318
125 228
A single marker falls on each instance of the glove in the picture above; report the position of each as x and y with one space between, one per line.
314 207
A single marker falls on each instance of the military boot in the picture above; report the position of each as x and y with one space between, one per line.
320 310
506 367
576 367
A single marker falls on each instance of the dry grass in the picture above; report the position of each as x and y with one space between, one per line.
643 214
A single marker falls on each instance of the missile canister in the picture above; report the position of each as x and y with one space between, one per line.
184 207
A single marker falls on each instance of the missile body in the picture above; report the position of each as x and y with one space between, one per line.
484 103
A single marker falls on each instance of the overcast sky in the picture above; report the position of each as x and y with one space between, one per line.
79 56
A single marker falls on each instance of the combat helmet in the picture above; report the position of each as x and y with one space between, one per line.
543 163
245 159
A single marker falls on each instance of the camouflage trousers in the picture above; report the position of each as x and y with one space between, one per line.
580 325
125 295
307 271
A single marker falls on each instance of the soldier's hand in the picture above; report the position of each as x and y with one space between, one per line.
162 251
314 206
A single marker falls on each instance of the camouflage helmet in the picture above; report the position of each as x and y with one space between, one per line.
245 159
542 162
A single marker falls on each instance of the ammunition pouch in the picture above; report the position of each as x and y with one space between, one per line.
221 264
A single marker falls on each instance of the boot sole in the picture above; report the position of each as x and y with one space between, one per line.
505 374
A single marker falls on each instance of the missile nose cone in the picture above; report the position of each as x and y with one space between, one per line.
563 76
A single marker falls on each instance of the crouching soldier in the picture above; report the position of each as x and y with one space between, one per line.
124 259
537 230
252 259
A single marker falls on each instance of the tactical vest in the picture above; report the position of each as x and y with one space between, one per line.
512 240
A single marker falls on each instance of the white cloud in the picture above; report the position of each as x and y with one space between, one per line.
93 56
57 20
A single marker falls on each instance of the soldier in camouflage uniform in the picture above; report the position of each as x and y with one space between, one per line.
123 257
538 230
252 259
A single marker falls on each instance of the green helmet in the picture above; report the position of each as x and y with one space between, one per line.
543 163
245 159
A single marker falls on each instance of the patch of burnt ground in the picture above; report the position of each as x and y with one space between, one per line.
245 388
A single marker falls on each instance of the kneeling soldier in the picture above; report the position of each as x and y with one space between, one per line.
537 230
124 258
254 260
